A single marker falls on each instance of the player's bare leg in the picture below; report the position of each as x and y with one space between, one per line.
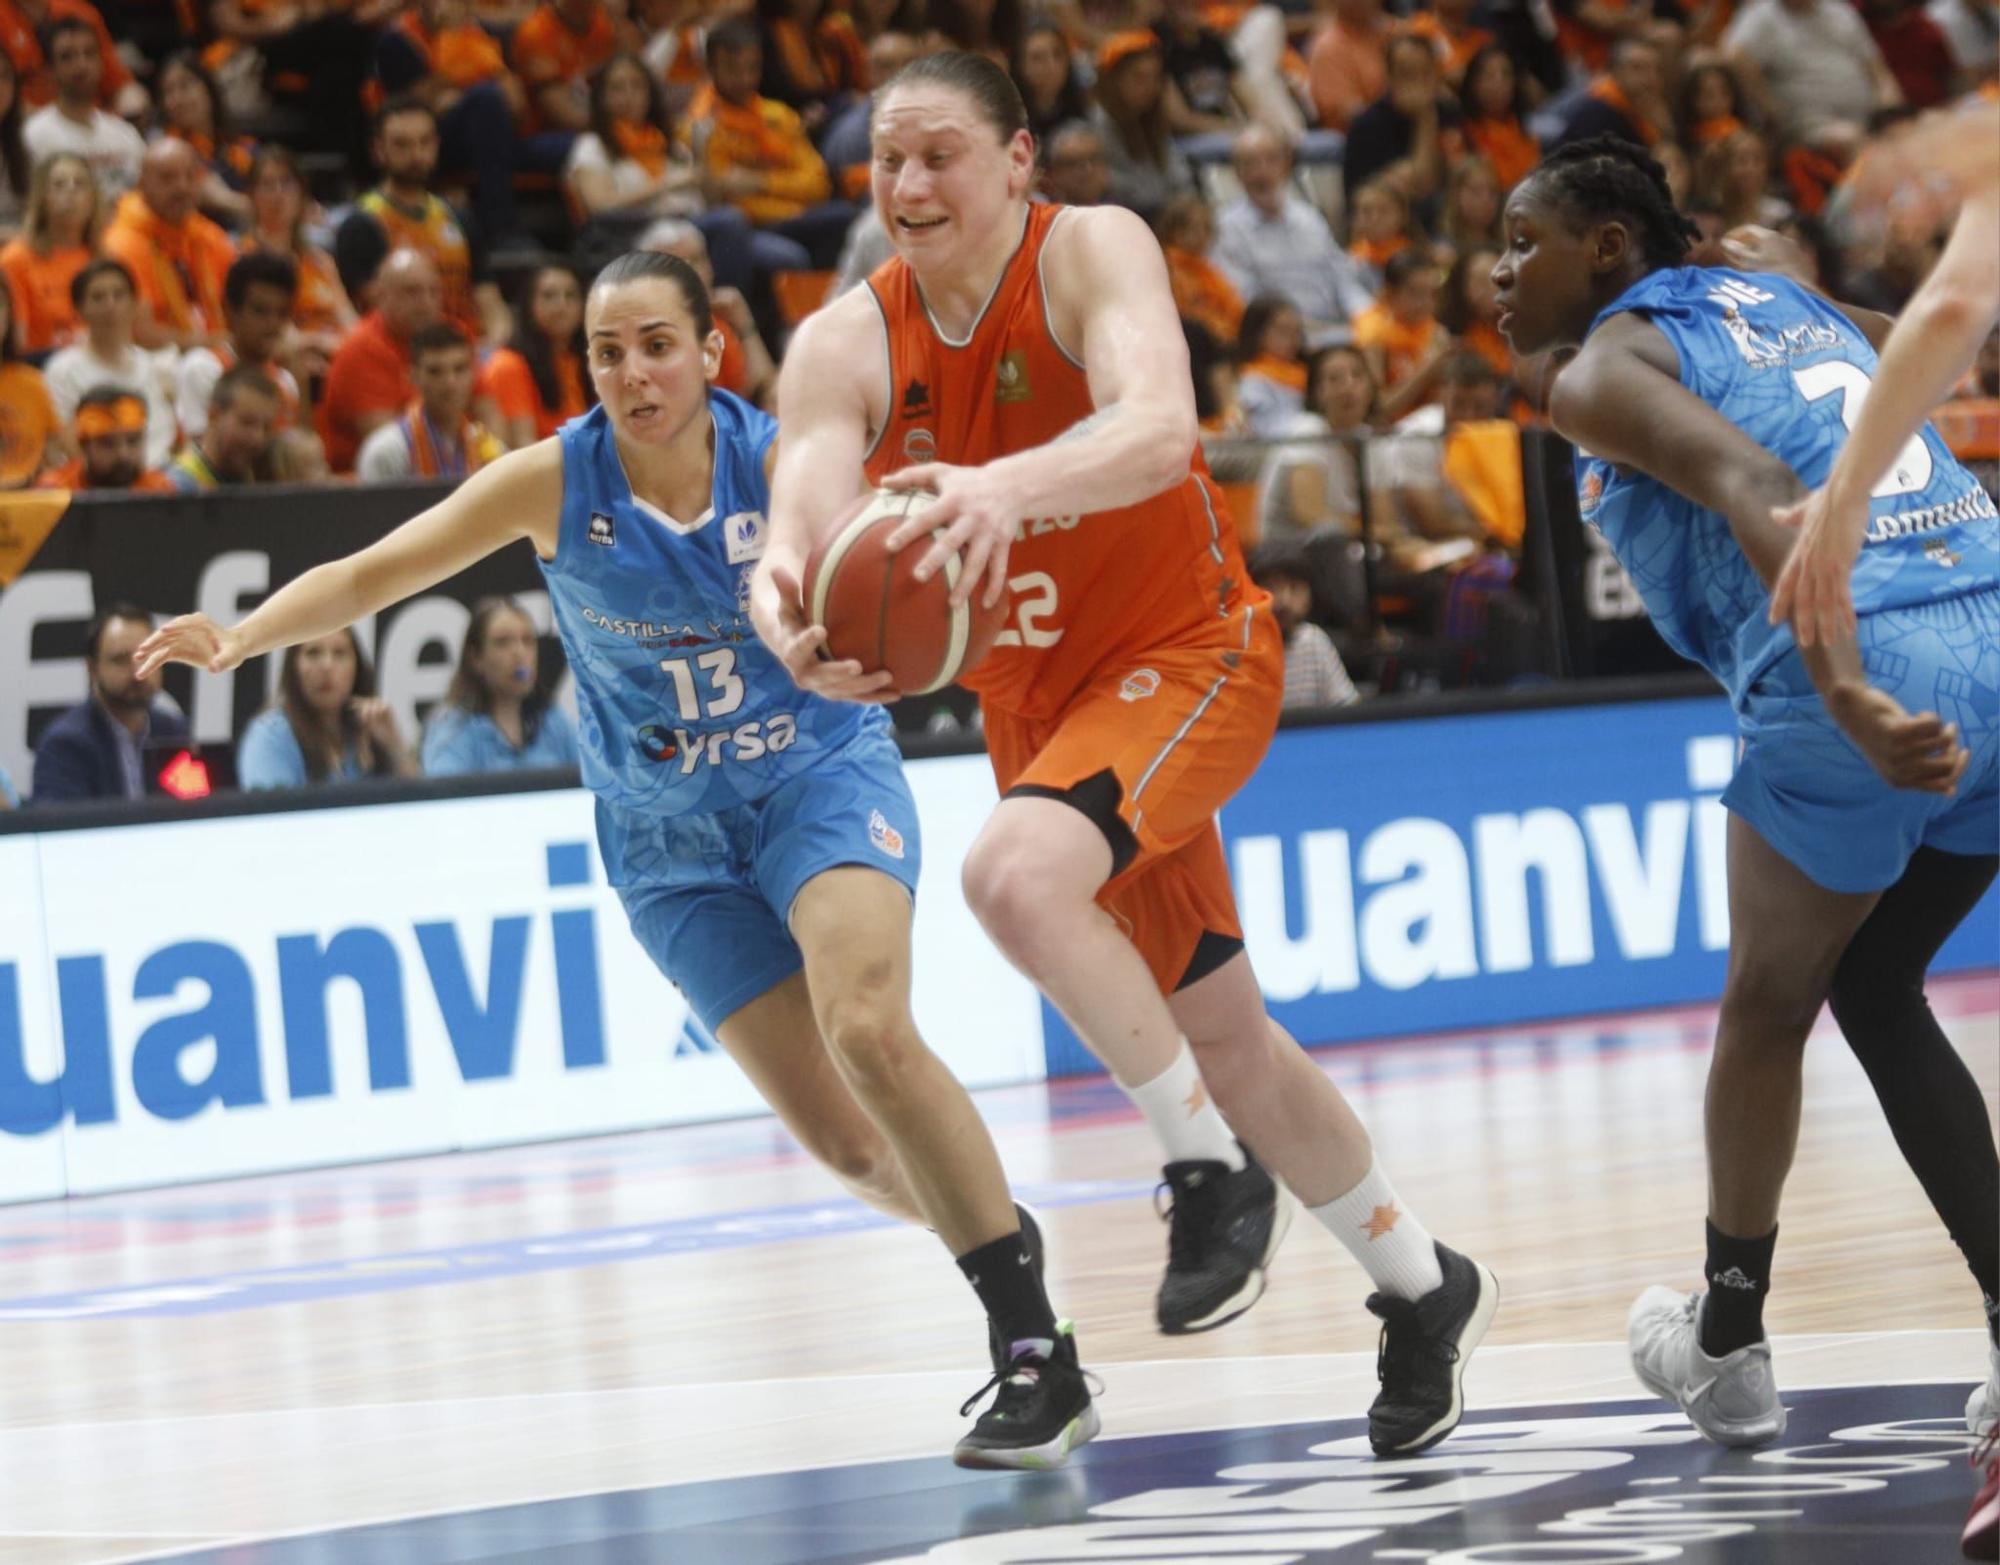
853 926
775 1042
1707 1352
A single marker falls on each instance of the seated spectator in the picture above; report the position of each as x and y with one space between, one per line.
25 26
437 53
628 163
1811 67
15 168
1045 72
1590 31
1496 116
1413 126
1271 240
755 154
435 436
75 122
177 257
30 432
1076 170
316 58
1732 185
1628 101
110 432
321 312
747 368
97 749
1455 469
1347 67
1270 374
41 263
1314 675
1202 294
814 61
234 446
257 299
368 382
1470 309
191 108
533 386
495 717
1130 117
1204 88
1379 227
1401 334
327 725
108 305
404 213
1472 202
1309 484
555 52
1449 29
1711 105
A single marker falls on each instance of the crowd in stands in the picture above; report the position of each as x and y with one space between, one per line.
252 241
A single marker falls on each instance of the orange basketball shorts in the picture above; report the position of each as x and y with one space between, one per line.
1163 739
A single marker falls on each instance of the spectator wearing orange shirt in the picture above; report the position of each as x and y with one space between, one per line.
1405 341
1711 105
110 435
1379 227
814 61
191 108
57 242
30 432
24 29
1496 116
1201 293
1628 101
403 212
177 257
369 380
535 384
555 52
436 52
756 151
1471 309
1447 26
1347 65
321 311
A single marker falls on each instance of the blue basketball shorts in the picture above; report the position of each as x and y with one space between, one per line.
1812 796
710 896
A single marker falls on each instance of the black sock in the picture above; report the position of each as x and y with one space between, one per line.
1007 1285
1739 1276
1934 1107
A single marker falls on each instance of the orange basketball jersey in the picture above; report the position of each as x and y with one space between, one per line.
1085 590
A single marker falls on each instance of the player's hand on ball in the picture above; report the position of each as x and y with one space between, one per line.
1813 590
193 639
978 522
778 615
1920 752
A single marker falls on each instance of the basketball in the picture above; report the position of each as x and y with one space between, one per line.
875 610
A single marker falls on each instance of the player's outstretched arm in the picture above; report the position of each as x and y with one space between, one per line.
1112 306
822 441
519 496
1934 342
1622 400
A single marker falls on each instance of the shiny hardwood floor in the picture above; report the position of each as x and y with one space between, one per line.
290 1354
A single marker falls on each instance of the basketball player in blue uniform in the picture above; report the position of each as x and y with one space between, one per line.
762 839
1865 809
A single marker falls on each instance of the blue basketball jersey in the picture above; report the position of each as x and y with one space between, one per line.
682 709
1790 371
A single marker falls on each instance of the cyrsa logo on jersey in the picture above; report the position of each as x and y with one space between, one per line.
694 747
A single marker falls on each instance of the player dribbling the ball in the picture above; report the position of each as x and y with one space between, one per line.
1026 363
762 840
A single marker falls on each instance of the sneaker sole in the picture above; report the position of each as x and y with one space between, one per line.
1240 1302
1716 1431
1032 1458
1469 1339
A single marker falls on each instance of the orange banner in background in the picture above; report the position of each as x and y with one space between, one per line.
26 520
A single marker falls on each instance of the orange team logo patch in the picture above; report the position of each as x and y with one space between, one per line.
1590 492
1381 1221
1138 685
1197 1100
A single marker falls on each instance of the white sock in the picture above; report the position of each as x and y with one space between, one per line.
1391 1245
1177 1105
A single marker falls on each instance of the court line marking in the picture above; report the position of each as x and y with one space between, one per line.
244 1539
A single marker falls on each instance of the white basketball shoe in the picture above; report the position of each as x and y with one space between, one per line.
1731 1400
1982 1408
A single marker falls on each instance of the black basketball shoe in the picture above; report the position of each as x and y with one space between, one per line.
1421 1361
1041 1410
1223 1227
